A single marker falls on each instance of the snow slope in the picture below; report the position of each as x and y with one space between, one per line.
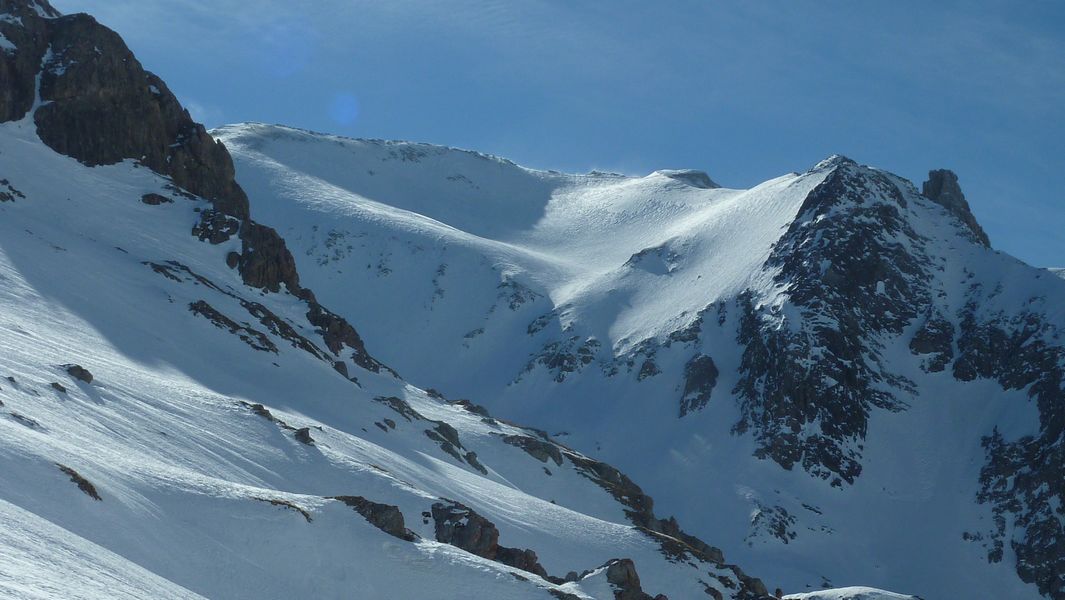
575 303
850 593
201 492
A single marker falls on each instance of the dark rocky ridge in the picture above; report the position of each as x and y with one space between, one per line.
101 107
860 276
856 271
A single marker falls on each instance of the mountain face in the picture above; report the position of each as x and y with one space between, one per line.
831 376
777 365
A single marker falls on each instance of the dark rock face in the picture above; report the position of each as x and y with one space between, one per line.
458 525
265 261
339 334
943 189
18 70
621 574
935 338
539 449
102 107
445 435
700 377
562 357
385 517
857 273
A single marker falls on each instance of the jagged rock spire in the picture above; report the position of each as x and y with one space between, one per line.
943 189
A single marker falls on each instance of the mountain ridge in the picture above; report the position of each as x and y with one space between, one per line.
118 427
864 241
776 363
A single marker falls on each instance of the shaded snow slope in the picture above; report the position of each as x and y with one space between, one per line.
675 329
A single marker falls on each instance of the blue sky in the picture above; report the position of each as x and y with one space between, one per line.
743 90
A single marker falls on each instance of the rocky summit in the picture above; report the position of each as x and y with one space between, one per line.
264 362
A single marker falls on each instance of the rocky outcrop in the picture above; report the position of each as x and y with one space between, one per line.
338 334
460 526
265 261
385 517
8 193
935 340
155 199
622 576
700 377
78 372
303 436
252 337
539 449
943 189
83 484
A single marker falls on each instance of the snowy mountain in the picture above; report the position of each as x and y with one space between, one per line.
775 364
180 417
294 365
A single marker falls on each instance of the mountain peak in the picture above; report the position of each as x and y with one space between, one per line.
942 188
833 161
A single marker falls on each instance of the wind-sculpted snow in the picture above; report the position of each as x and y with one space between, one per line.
812 325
